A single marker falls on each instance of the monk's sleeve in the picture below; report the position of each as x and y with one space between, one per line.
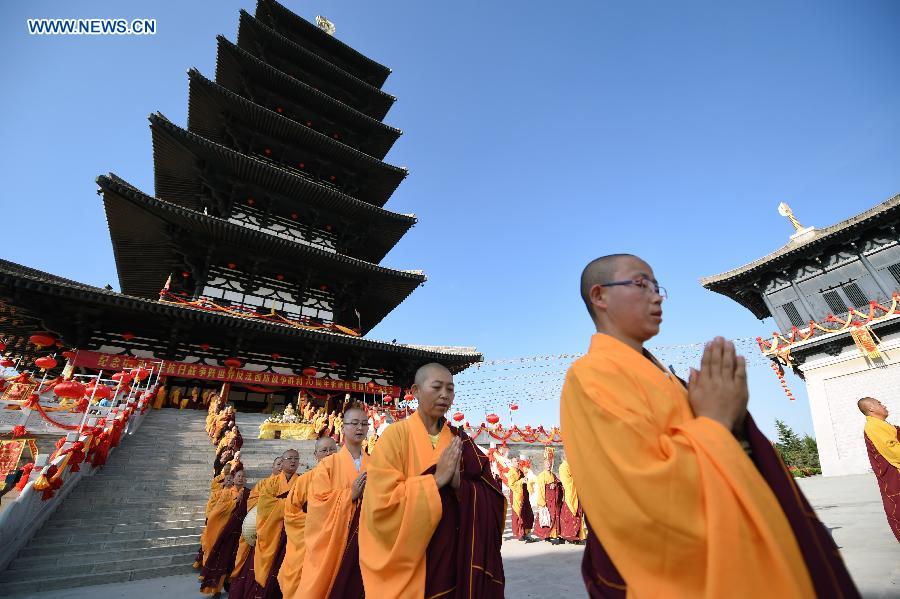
678 507
884 437
328 510
294 516
399 516
267 501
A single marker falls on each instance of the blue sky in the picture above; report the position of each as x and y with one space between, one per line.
537 136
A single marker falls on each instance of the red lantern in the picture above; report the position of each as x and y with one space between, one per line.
232 363
42 340
276 356
309 371
69 390
323 287
333 363
250 201
98 391
514 407
232 265
69 355
141 374
370 385
46 362
127 335
204 346
493 418
387 398
2 346
185 274
409 397
459 417
294 215
7 363
279 276
123 377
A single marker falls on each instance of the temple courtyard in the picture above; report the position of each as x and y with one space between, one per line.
850 506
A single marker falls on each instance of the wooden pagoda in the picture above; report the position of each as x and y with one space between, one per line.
263 240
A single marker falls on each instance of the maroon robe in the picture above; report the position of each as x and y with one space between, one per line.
348 583
477 508
888 483
823 560
553 496
522 525
569 523
220 561
244 586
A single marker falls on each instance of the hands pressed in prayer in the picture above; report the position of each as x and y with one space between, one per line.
719 389
447 467
358 487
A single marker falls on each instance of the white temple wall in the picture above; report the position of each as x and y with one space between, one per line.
834 385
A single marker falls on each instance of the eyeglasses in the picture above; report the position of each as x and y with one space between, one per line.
355 423
644 282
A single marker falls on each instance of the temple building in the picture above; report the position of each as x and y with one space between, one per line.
255 266
833 294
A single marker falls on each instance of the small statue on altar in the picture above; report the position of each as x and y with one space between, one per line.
338 433
289 415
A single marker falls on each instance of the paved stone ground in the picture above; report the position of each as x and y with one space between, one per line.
850 506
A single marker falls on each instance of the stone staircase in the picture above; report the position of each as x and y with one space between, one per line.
142 515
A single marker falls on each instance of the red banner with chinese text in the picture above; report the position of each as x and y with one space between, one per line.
10 452
98 361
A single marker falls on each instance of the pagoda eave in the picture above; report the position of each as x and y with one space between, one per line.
213 111
327 46
234 66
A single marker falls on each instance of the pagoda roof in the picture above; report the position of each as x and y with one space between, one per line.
233 62
180 155
323 44
74 310
251 29
143 231
733 283
212 108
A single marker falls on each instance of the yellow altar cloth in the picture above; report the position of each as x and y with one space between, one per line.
295 431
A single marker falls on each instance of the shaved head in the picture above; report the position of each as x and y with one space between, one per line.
323 443
865 405
425 372
870 406
598 271
290 462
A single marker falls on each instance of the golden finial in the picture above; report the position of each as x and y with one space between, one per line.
785 210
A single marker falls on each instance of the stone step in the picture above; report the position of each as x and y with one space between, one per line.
77 514
26 588
56 537
112 525
37 573
36 549
86 556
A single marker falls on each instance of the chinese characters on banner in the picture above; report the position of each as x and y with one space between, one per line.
97 361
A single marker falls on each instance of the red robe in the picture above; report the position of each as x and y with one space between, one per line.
553 493
569 523
888 483
526 522
220 560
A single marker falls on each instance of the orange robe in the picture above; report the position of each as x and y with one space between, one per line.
294 527
329 512
677 504
270 526
403 519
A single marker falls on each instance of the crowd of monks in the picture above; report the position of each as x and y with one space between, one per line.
679 494
420 516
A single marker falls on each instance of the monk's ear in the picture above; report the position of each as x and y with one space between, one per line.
597 295
414 389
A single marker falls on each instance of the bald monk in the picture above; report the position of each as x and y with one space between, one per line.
549 497
883 447
258 579
571 520
295 522
433 515
228 513
331 563
684 497
522 515
243 552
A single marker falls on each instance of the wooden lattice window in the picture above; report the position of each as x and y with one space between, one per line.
793 314
835 302
856 295
894 269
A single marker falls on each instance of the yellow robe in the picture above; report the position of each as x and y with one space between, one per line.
516 486
569 494
883 436
329 511
269 524
678 505
401 510
295 527
218 511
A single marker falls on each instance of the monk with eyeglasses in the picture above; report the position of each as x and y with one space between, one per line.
683 495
